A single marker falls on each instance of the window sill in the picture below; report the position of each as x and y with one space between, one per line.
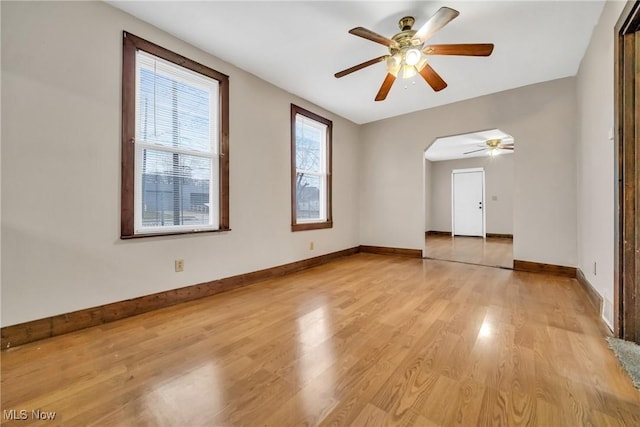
174 233
311 226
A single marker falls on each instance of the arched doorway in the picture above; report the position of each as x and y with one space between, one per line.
488 153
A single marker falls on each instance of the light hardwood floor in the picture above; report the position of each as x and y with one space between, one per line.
492 251
364 340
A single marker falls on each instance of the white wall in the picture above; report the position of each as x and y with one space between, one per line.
61 103
542 119
596 182
498 176
428 195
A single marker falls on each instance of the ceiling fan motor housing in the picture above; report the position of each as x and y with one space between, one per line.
406 23
404 39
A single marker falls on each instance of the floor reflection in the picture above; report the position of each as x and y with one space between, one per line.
486 330
492 251
198 390
317 358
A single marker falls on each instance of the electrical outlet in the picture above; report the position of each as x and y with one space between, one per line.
179 264
310 246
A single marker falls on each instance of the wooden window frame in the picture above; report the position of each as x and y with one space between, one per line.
311 225
130 45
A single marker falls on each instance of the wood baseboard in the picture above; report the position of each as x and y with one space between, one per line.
500 236
382 250
537 267
594 297
437 233
35 330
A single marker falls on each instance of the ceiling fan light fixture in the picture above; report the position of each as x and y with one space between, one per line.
408 71
394 63
406 64
493 143
412 56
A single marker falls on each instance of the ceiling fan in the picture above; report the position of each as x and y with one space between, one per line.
408 55
493 146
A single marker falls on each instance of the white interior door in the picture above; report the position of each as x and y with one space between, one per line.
467 202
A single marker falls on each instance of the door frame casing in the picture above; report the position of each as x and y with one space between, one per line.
627 175
484 204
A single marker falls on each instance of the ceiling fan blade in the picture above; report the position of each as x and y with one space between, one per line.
361 66
386 86
506 148
474 151
374 37
433 78
477 49
442 17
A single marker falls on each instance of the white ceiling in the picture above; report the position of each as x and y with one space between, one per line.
299 46
455 146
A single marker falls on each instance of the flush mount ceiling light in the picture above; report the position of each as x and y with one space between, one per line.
408 55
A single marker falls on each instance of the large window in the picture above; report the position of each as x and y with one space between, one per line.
175 145
310 170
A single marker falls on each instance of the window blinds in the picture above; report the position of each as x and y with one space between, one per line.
176 147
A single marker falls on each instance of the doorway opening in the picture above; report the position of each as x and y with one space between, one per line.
481 166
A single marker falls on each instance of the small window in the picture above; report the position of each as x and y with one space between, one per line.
175 143
310 170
